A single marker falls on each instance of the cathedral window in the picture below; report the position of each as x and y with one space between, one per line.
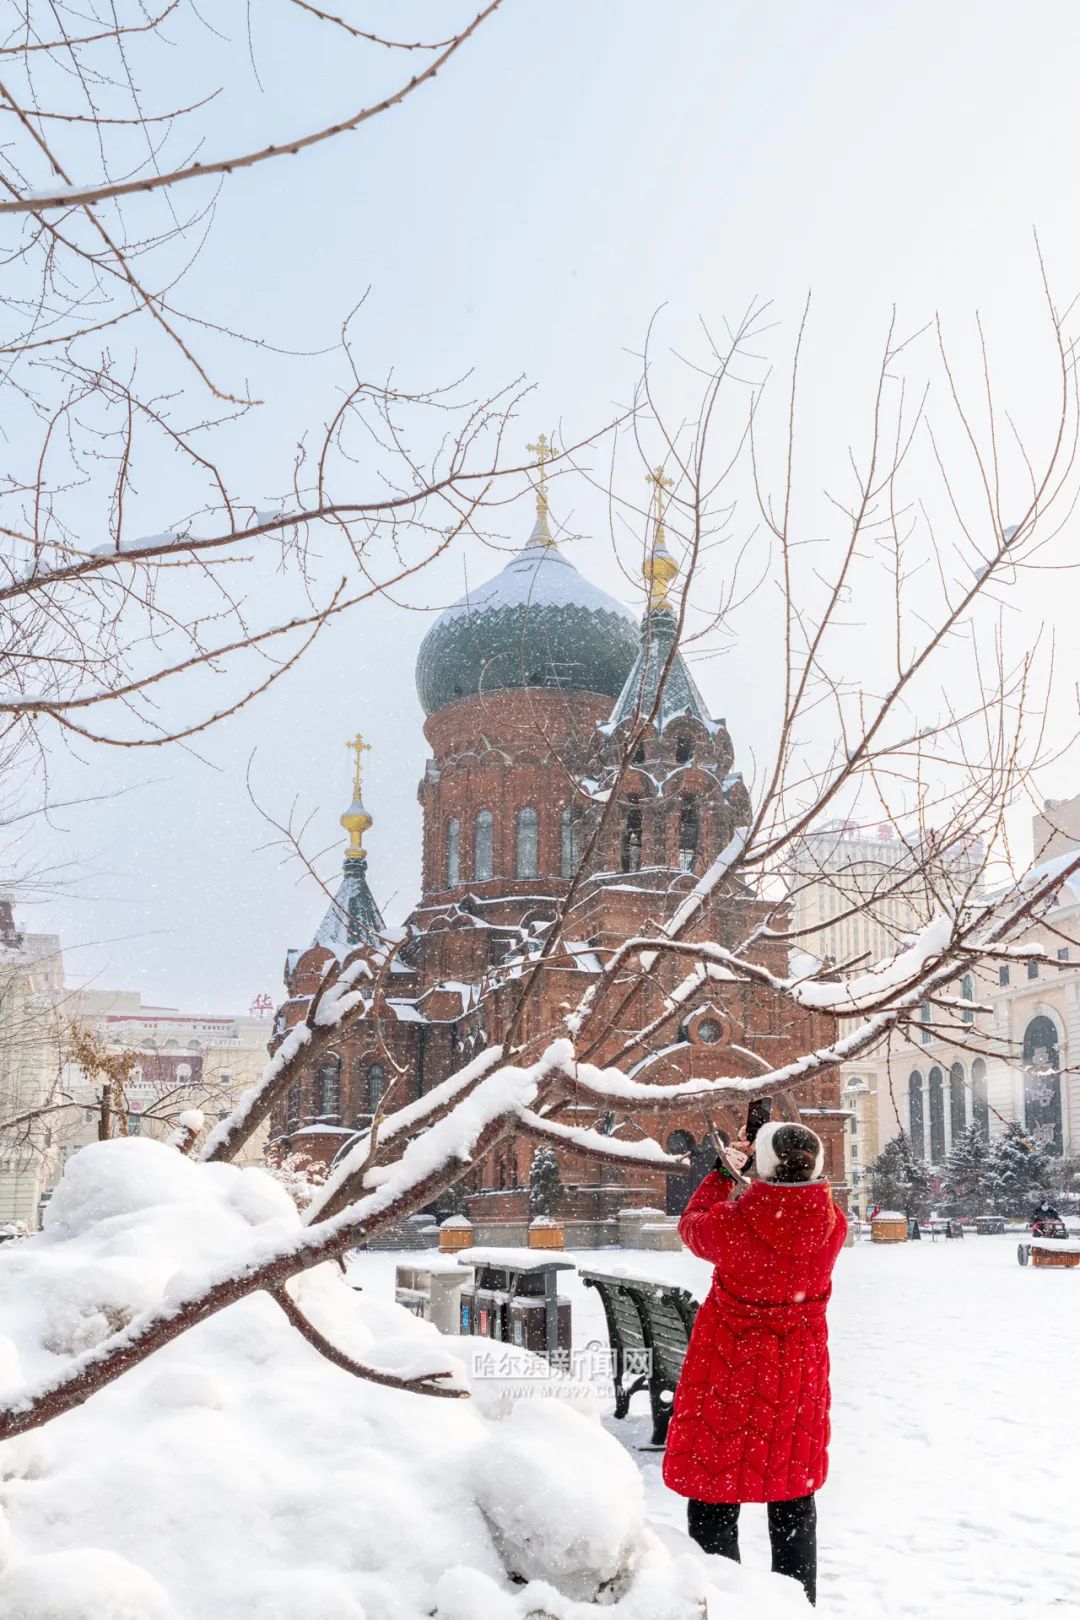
376 1086
453 852
292 1105
328 1089
967 991
528 843
688 833
683 750
484 855
631 839
569 845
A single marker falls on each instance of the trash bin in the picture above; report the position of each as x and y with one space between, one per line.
514 1299
529 1325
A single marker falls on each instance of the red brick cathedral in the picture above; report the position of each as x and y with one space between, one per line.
532 685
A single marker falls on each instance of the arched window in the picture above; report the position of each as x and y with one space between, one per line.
957 1101
980 1108
453 852
569 844
292 1105
484 853
967 991
683 750
688 832
916 1115
527 844
376 1086
328 1089
631 839
924 1014
937 1115
1042 1085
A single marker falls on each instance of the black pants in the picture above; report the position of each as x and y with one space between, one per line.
792 1533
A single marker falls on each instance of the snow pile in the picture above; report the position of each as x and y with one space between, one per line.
238 1472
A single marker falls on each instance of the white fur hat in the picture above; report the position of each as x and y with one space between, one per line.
765 1153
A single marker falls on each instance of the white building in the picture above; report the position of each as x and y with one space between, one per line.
933 1088
182 1061
31 987
856 891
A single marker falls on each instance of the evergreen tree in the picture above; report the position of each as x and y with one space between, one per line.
968 1168
546 1190
900 1181
1019 1172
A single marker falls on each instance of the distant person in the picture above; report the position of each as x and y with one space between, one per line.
1042 1216
751 1416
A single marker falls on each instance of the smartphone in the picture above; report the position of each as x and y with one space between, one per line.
758 1114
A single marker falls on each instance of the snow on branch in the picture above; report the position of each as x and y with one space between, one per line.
430 1164
348 1176
421 1384
644 1155
335 1005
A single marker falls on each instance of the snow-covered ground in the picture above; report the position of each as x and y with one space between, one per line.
954 1491
237 1472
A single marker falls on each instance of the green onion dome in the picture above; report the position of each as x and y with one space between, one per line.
537 623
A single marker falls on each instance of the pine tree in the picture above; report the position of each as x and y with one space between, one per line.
1018 1171
898 1180
546 1190
968 1168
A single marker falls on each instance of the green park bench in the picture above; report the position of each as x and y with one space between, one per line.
649 1327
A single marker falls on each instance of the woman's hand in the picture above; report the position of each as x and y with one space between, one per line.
738 1154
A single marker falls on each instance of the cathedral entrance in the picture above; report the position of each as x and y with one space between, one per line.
702 1155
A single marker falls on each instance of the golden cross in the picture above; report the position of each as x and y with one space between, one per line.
659 483
358 747
544 451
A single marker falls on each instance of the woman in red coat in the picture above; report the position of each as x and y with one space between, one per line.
751 1416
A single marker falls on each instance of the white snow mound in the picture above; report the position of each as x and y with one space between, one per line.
249 1476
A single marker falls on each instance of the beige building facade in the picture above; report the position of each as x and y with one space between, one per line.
1015 1061
31 989
181 1061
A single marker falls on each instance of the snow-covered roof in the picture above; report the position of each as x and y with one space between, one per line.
641 693
539 576
406 1012
537 623
353 917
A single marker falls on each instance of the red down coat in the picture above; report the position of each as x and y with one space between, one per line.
751 1415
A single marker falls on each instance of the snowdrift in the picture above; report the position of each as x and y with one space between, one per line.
238 1473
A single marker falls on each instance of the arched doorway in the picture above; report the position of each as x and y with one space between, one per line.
1042 1085
680 1188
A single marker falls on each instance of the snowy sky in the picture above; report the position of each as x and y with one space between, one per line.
573 170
